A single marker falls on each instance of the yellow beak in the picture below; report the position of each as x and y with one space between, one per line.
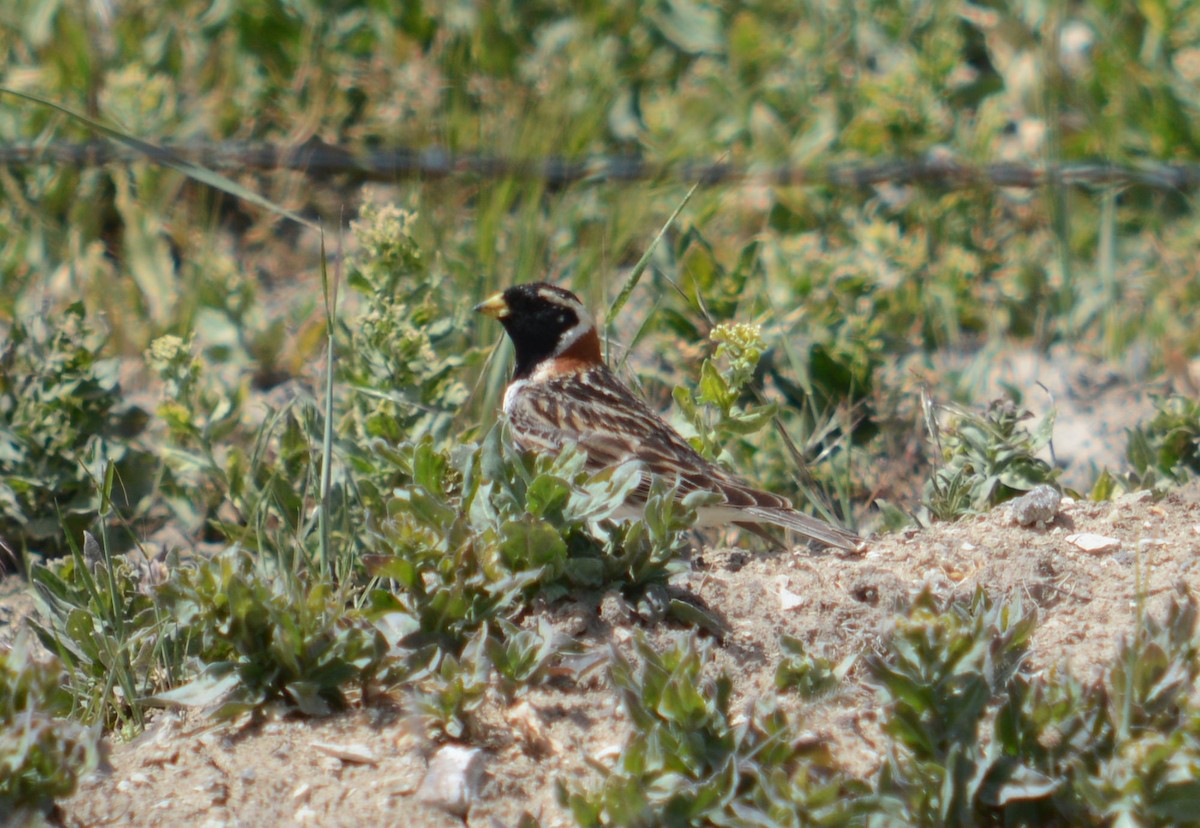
494 306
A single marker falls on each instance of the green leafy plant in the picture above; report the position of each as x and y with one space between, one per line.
1124 748
978 740
477 535
986 459
689 761
523 657
96 611
406 349
1167 448
942 673
249 479
446 685
975 737
43 752
717 411
448 690
259 635
206 458
809 675
63 419
479 531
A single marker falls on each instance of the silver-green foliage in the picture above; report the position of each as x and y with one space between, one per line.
402 353
63 418
985 459
975 736
43 752
979 739
260 635
690 760
1166 449
96 612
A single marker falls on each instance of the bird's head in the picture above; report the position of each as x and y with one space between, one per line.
544 322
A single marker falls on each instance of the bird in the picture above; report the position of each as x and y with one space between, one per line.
562 393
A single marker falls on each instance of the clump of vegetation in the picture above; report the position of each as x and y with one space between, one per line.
979 740
480 532
96 611
258 635
717 410
690 761
985 459
205 464
943 672
63 420
808 675
43 752
407 347
226 632
975 737
517 523
1166 450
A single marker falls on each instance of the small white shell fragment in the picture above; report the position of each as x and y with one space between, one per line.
357 754
1091 542
788 600
453 778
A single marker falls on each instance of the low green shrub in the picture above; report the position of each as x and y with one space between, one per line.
985 459
689 760
97 612
1166 450
259 635
63 420
43 753
975 737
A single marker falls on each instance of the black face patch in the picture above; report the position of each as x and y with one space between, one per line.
538 316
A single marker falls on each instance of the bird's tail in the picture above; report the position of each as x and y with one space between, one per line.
802 524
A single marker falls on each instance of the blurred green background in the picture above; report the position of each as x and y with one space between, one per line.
858 289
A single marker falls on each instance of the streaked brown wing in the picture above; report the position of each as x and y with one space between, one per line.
593 410
549 416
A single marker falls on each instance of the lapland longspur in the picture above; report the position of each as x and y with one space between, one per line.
562 393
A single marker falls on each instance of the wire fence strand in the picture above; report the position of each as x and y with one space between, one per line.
321 160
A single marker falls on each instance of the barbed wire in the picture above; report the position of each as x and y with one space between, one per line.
323 160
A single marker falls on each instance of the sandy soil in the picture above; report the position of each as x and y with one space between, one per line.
364 767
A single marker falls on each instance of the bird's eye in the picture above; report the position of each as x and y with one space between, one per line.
563 319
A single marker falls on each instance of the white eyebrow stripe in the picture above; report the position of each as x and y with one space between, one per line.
564 298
